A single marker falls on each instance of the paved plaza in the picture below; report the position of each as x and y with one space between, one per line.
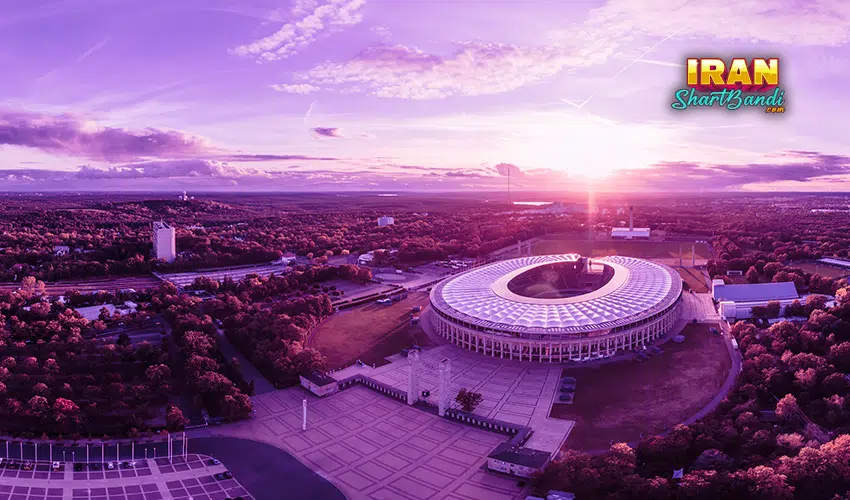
374 447
513 391
192 478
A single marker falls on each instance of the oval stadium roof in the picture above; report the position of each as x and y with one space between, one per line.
639 289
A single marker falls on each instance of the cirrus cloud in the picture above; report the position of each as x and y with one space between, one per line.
475 68
298 88
313 20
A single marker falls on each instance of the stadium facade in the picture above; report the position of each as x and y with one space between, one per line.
557 308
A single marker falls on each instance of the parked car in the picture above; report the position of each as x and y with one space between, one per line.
417 308
110 465
566 397
214 461
568 389
569 379
221 476
28 466
95 466
56 466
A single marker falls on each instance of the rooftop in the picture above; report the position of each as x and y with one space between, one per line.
639 288
526 457
754 292
320 378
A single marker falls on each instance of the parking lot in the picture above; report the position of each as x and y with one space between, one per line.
194 477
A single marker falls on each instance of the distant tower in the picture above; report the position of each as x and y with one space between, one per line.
631 218
163 242
694 255
413 377
445 386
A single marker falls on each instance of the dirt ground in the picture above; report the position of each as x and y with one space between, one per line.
825 271
370 333
622 400
602 248
694 278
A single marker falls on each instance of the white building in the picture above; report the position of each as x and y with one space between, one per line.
625 233
386 221
61 250
320 384
517 461
164 246
738 301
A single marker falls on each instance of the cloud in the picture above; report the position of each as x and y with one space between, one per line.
475 68
327 132
169 169
247 157
505 169
298 88
796 166
68 135
815 22
313 18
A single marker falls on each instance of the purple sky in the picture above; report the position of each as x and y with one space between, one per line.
413 94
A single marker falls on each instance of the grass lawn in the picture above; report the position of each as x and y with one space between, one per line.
622 400
825 271
602 248
694 278
370 332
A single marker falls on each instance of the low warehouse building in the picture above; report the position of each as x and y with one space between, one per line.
516 460
320 384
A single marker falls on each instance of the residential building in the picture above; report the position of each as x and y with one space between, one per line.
385 221
61 250
164 245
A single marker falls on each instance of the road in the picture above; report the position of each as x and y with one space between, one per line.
249 371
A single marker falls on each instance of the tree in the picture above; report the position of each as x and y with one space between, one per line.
468 400
773 308
158 373
713 459
236 406
787 407
752 275
174 419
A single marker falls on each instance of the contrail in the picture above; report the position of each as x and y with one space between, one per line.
639 58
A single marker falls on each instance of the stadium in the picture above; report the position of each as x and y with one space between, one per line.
557 308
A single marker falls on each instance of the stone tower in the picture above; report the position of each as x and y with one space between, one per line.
445 386
413 377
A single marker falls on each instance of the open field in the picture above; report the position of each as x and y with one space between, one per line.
602 248
369 333
109 284
694 278
622 400
823 270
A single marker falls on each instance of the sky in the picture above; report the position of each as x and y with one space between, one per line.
392 95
